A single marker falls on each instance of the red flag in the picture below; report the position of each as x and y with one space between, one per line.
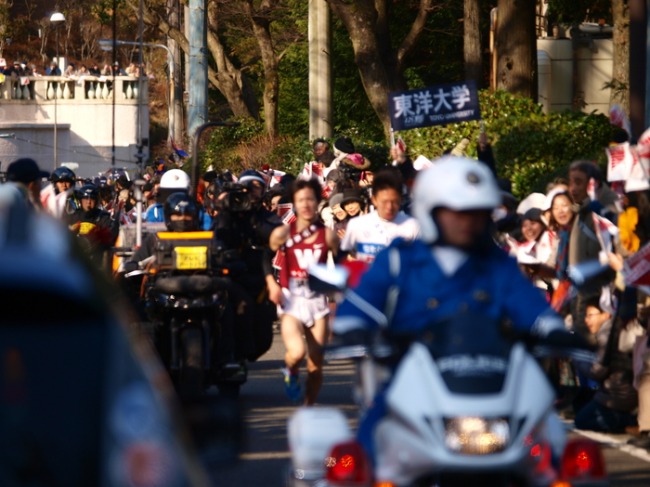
619 162
278 260
638 267
285 212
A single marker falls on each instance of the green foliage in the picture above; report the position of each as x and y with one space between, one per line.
352 111
293 110
290 154
103 10
220 148
539 148
577 11
530 148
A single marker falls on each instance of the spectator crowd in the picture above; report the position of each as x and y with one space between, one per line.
20 68
355 208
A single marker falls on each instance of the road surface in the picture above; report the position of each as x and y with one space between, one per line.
264 459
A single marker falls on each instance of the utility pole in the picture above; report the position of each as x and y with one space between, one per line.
176 84
198 85
638 53
320 79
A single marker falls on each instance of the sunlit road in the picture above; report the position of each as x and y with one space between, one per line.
264 459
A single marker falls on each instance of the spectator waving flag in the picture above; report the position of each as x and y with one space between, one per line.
619 162
285 212
436 105
180 152
637 267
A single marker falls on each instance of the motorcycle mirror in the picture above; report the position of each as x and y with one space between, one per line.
325 278
135 273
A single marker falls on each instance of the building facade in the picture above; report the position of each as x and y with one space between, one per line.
85 116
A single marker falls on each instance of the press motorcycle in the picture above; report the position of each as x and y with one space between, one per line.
185 295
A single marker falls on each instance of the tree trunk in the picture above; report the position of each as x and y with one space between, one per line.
472 42
261 23
229 80
620 92
380 66
516 47
360 22
176 95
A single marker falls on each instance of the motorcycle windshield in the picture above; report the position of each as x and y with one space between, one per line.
470 352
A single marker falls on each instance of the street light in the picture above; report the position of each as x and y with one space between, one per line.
107 45
56 19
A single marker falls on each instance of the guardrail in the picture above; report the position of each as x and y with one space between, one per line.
38 89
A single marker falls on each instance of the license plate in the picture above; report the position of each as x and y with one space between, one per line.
191 258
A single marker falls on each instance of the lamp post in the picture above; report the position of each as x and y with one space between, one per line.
107 45
56 19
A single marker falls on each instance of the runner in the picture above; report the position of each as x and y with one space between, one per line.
303 312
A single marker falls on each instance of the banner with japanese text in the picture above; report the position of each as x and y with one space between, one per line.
435 105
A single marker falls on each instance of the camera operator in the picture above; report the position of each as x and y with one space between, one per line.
243 225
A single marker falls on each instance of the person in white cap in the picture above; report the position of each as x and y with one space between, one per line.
172 181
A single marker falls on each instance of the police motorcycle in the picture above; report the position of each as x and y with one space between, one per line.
458 413
185 285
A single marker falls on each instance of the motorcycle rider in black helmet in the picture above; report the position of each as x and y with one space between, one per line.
95 225
182 214
63 179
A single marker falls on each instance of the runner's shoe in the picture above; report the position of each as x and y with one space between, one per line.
292 385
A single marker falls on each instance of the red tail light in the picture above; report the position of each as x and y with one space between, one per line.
348 464
582 459
541 455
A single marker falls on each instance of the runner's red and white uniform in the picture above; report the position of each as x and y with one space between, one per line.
300 301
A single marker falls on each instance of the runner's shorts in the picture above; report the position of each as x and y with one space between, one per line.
305 309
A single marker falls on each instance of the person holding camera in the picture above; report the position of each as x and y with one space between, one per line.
243 226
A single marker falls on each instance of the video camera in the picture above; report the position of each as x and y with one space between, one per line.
349 172
237 198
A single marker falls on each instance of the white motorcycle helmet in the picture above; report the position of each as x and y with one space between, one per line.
456 183
175 179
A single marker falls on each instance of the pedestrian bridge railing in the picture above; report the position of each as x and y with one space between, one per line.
84 89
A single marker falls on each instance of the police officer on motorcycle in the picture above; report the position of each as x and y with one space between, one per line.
94 225
243 226
181 215
454 267
63 180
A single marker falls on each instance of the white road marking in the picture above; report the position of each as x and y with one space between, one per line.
605 439
270 455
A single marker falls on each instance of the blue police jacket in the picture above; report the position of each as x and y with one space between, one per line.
489 284
155 213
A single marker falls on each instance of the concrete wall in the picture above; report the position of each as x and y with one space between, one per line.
590 61
84 123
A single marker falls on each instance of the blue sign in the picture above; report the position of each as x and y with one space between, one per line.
436 105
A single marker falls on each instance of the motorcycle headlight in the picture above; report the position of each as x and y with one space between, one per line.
477 436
